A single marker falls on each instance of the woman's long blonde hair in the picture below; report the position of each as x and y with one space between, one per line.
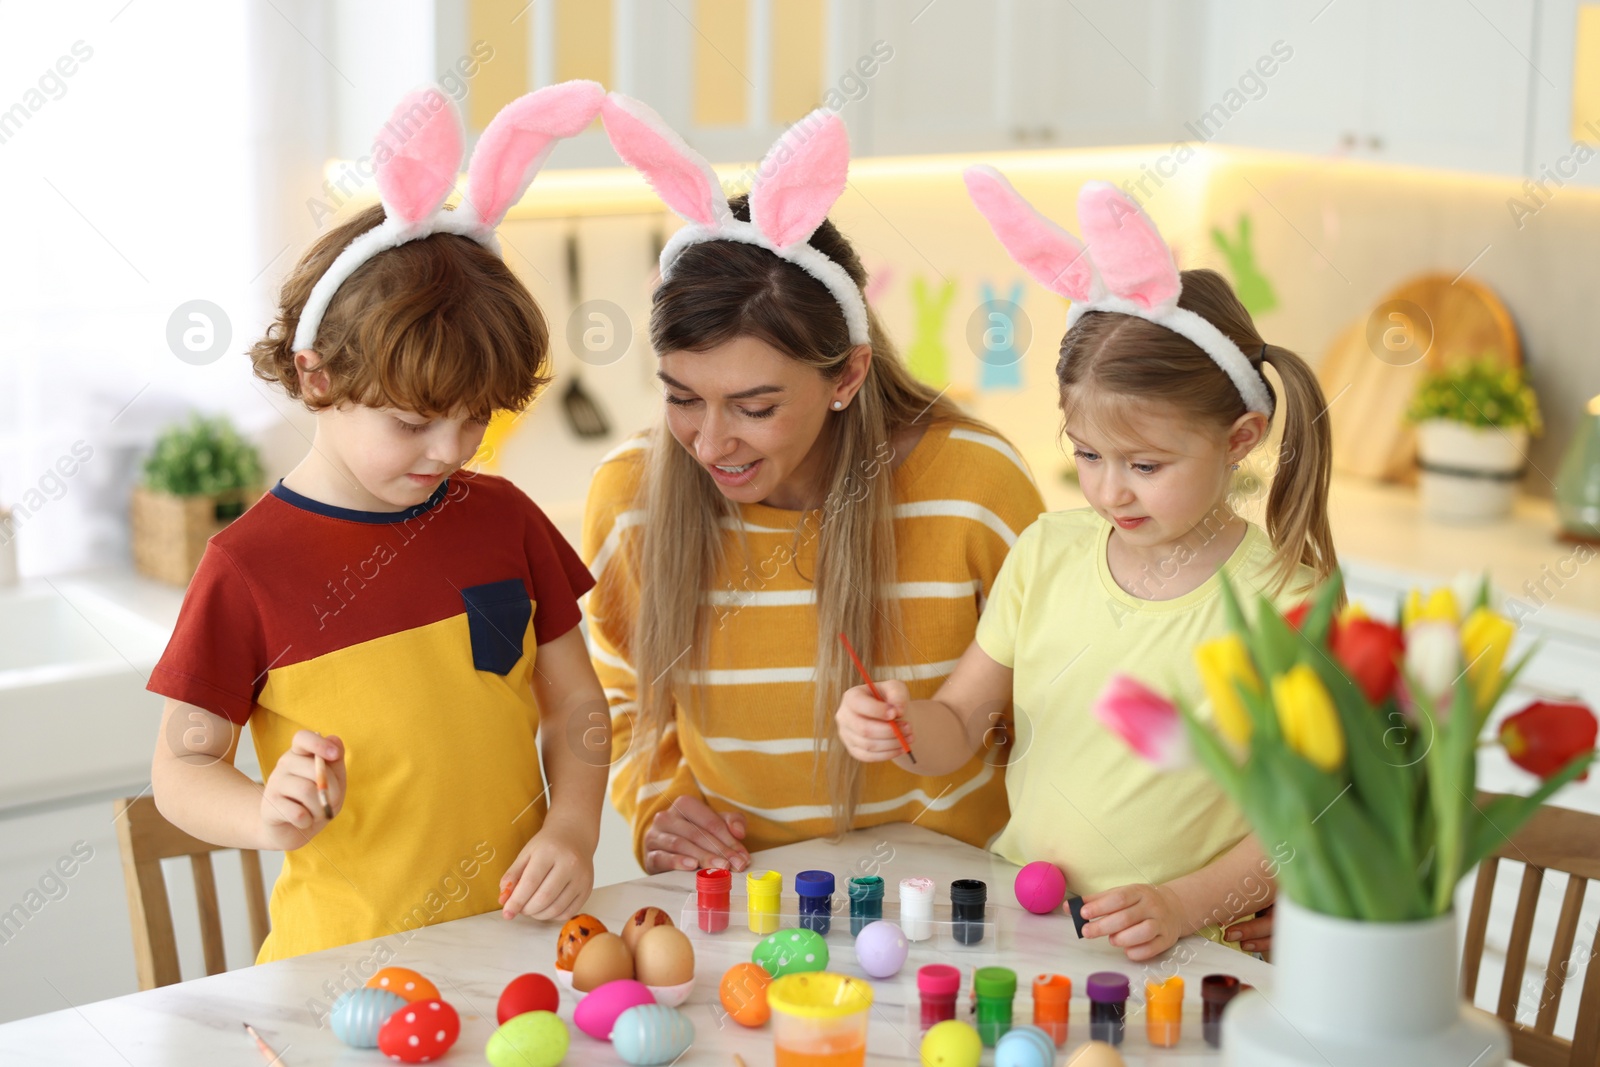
719 291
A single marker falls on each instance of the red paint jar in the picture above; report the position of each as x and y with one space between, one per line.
712 888
937 985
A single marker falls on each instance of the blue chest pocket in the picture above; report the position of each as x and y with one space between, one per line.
498 614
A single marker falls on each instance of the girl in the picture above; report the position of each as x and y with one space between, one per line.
1162 393
801 485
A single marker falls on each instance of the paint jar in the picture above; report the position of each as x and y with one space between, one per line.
866 902
968 900
816 900
711 889
819 1019
1052 996
1216 990
916 908
763 888
995 990
1163 1011
937 986
1108 1006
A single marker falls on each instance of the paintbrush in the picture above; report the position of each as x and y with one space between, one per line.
266 1050
894 724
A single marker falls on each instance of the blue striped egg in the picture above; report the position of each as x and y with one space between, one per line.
1024 1046
358 1014
652 1034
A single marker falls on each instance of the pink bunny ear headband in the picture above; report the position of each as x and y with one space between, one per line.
798 181
1126 267
418 155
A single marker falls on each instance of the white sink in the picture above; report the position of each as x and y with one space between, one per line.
74 714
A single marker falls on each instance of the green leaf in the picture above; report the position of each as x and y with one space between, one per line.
1506 814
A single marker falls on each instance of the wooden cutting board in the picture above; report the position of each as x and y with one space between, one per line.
1373 367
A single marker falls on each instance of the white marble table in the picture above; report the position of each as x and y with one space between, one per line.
198 1022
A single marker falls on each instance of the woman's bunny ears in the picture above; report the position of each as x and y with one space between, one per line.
418 156
795 186
1122 266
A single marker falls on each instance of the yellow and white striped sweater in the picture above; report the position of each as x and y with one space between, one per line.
962 496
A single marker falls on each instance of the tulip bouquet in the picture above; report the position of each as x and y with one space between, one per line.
1355 742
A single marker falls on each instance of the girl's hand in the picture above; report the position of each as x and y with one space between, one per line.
690 835
1142 920
1253 935
291 813
863 719
551 877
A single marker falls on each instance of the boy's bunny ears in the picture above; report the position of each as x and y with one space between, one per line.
798 181
1126 267
418 156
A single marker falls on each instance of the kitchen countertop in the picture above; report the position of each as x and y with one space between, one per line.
471 960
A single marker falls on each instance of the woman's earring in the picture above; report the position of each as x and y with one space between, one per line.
838 405
1234 467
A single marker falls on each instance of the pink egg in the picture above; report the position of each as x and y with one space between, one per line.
1041 887
597 1013
881 949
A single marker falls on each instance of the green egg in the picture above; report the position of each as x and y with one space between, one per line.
532 1039
791 952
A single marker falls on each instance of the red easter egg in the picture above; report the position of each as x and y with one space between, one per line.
420 1032
525 993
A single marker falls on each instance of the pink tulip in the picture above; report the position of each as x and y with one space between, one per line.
1146 720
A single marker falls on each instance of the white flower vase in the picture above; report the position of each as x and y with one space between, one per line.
1346 993
1469 473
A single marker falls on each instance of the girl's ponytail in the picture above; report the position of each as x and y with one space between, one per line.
1297 507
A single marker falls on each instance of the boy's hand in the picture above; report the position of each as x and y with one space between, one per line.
291 813
1142 920
1253 935
551 876
690 835
864 722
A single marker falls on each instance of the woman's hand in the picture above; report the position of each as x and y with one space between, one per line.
291 812
690 835
863 719
1253 935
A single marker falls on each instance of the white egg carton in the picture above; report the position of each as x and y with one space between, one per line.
940 930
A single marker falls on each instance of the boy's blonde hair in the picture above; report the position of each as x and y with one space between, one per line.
434 326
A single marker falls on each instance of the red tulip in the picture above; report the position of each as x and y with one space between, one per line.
1544 736
1370 652
1296 616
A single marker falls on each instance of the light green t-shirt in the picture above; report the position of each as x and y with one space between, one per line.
1080 797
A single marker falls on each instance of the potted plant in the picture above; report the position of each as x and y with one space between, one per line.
1473 422
201 476
1354 743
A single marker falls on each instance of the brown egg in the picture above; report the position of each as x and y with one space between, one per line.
643 919
574 935
604 959
1094 1054
664 957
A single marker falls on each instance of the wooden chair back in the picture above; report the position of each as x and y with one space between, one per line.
1563 841
145 838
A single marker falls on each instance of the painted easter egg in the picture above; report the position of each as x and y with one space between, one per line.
952 1043
642 921
525 993
420 1032
743 993
791 952
575 933
651 1034
597 1013
881 949
663 957
1041 887
532 1039
406 982
359 1013
604 959
1024 1046
1095 1054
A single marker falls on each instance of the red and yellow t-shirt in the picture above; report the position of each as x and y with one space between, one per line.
411 635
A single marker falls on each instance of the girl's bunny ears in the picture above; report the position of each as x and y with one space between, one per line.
798 181
418 156
1125 267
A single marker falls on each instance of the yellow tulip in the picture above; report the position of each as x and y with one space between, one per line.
1485 640
1440 606
1224 663
1352 611
1306 714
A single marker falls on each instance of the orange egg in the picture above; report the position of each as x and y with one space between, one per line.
642 920
406 982
744 993
574 935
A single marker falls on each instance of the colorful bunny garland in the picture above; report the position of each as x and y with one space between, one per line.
418 156
797 183
1126 267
